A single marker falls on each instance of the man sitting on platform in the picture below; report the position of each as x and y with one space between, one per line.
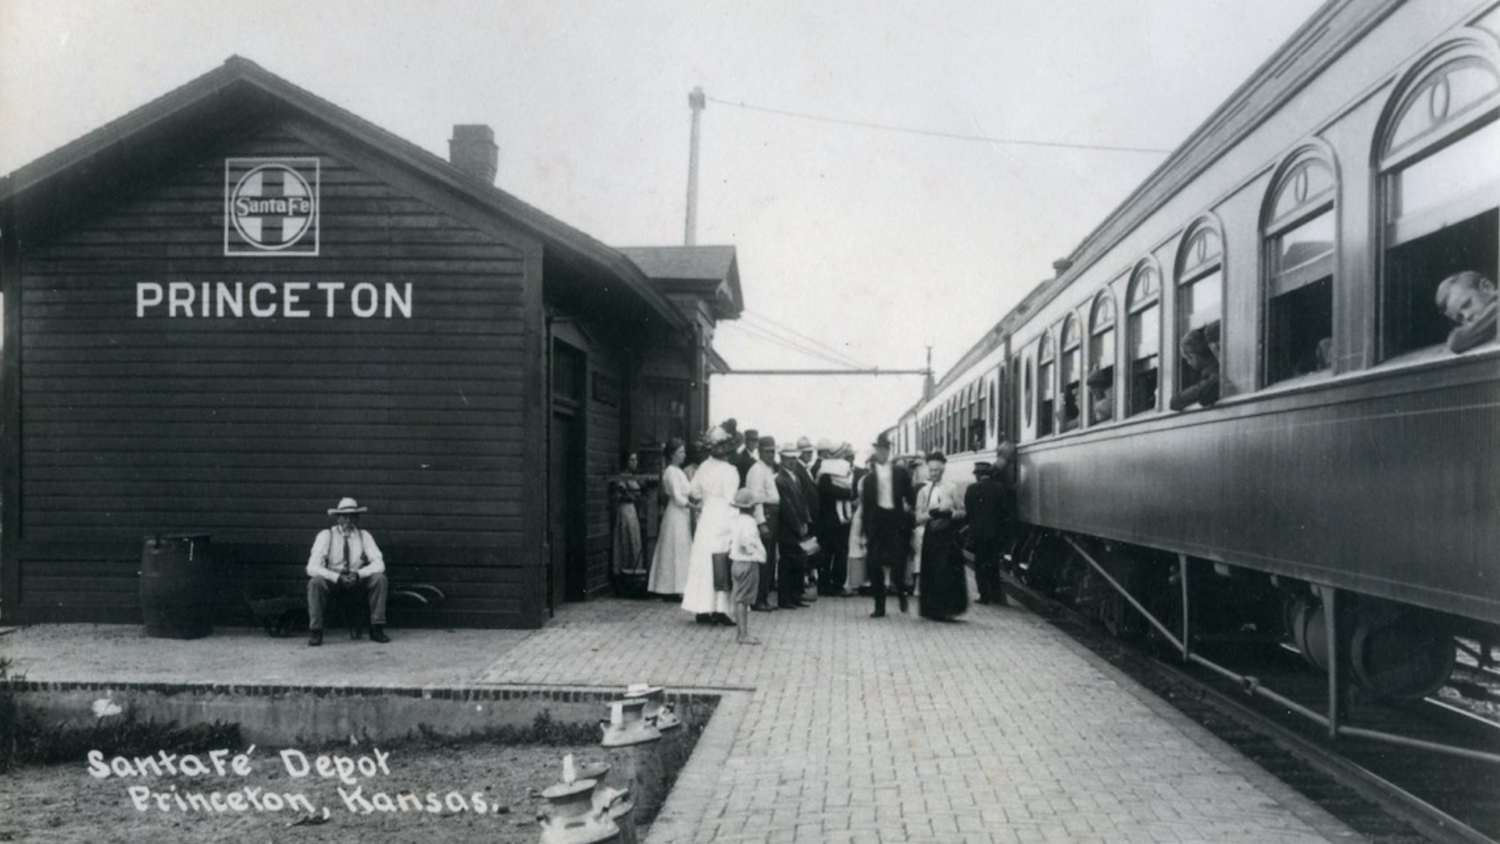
345 559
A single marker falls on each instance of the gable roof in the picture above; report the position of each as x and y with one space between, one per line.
710 272
241 92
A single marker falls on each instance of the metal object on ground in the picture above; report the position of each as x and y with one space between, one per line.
627 724
658 711
574 816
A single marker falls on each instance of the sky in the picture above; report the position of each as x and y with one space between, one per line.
873 243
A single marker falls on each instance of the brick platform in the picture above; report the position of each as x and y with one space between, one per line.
838 729
998 729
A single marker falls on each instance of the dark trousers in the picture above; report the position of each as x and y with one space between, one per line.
886 544
987 570
833 568
768 579
372 589
792 580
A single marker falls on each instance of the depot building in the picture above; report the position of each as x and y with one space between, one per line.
239 303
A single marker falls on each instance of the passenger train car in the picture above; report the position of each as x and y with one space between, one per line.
1345 487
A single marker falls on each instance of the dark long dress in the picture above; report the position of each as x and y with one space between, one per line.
943 581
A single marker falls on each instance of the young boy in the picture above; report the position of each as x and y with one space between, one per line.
746 553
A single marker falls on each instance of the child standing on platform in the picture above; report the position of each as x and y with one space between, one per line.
746 553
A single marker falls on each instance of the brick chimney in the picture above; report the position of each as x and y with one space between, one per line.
1061 265
472 150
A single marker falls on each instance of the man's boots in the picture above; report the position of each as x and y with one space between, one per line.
377 634
315 638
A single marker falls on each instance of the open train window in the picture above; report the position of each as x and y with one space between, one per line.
1143 303
1072 372
1300 244
1200 293
1101 378
1027 391
1046 407
1440 184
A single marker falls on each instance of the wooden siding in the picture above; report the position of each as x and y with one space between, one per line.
1386 484
249 429
605 445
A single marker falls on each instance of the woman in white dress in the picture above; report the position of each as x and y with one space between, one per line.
712 492
674 542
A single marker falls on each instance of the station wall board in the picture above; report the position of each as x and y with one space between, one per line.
230 350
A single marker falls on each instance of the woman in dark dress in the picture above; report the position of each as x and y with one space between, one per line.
943 584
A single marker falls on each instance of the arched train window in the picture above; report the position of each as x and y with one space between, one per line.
1046 362
1300 240
1072 372
1440 191
1200 292
1143 304
1101 377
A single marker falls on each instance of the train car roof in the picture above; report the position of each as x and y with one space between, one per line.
1326 34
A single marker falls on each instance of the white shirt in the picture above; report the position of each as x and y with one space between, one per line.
329 559
884 495
745 544
762 481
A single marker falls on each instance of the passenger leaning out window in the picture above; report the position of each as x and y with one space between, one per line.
1198 352
1468 299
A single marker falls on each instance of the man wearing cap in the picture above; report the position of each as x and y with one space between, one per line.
761 481
986 503
794 525
345 558
888 501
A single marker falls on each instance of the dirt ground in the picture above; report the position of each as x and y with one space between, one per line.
64 804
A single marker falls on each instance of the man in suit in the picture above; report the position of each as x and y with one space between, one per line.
987 502
836 493
794 524
746 457
889 505
806 467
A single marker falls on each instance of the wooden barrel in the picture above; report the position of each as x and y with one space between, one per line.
177 586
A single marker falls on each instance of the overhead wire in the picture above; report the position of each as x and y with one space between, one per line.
812 341
933 133
762 334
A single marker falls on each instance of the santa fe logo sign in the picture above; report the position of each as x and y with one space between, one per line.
271 206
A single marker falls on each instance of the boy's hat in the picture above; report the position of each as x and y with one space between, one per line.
745 500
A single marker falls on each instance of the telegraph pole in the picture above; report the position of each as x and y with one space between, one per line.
697 102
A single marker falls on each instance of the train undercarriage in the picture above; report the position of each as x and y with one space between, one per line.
1371 649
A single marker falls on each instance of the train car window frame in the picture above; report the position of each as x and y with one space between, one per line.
1298 276
1438 187
1070 374
1101 350
1046 386
1028 391
1143 296
1200 277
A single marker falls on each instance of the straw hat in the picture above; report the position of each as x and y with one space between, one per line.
347 507
745 500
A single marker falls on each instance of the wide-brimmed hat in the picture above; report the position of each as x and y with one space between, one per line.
804 444
884 440
347 507
790 450
718 436
825 444
745 500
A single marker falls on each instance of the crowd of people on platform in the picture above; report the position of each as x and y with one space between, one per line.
750 525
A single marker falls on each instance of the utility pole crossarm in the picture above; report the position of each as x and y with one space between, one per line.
874 371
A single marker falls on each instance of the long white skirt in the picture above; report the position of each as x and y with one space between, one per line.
712 537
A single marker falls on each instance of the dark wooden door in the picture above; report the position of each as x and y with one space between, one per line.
565 505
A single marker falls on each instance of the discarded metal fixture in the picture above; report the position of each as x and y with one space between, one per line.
627 724
658 711
616 801
573 816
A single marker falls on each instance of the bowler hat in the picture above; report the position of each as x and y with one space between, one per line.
347 507
767 442
883 441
